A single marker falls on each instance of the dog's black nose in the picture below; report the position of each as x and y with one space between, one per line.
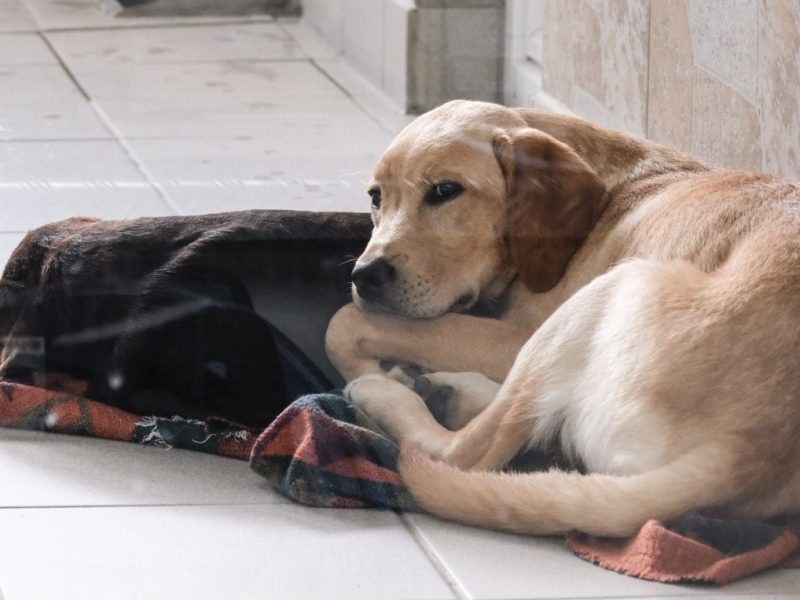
370 278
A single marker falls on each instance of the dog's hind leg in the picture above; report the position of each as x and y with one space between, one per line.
403 414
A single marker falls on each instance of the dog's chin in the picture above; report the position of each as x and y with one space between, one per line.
461 304
376 306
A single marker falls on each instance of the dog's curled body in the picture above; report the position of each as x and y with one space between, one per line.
653 327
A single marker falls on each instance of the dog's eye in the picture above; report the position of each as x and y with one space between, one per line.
442 192
375 194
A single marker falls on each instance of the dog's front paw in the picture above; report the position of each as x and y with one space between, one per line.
394 407
373 394
454 399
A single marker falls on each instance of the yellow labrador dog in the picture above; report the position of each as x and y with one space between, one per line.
650 327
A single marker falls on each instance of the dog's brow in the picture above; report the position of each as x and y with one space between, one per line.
479 144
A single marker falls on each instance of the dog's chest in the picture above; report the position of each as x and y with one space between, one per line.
596 405
610 435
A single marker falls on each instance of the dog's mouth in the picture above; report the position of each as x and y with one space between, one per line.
376 306
464 302
385 306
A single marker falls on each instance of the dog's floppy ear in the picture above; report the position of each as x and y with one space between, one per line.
553 201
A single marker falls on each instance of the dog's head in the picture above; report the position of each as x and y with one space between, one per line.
466 199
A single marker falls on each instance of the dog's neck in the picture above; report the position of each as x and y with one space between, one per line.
616 157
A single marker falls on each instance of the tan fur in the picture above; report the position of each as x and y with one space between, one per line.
652 328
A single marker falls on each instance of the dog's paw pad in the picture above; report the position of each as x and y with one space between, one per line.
437 397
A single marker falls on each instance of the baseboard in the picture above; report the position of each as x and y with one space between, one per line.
547 102
420 54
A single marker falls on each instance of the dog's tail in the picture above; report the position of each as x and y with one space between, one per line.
558 502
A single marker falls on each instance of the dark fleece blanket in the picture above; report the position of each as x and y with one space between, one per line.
323 452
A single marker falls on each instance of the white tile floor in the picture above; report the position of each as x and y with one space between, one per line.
119 118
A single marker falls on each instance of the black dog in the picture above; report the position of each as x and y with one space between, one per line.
217 315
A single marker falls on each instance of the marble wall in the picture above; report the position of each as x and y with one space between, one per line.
718 78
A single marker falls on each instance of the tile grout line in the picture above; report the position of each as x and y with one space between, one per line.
350 95
67 71
433 557
43 33
122 141
131 154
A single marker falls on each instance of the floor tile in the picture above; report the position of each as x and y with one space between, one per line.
347 76
73 161
272 551
47 181
364 93
83 14
24 49
341 193
495 565
61 470
42 102
15 17
238 84
49 13
210 99
778 581
288 142
371 100
8 241
311 163
381 109
145 45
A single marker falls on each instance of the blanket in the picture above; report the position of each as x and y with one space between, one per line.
321 451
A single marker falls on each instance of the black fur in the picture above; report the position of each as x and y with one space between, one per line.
178 315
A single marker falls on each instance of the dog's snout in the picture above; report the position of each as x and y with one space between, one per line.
371 278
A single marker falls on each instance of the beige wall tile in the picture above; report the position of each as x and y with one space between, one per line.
779 85
587 51
562 26
718 78
669 113
602 52
725 41
624 44
725 126
590 108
